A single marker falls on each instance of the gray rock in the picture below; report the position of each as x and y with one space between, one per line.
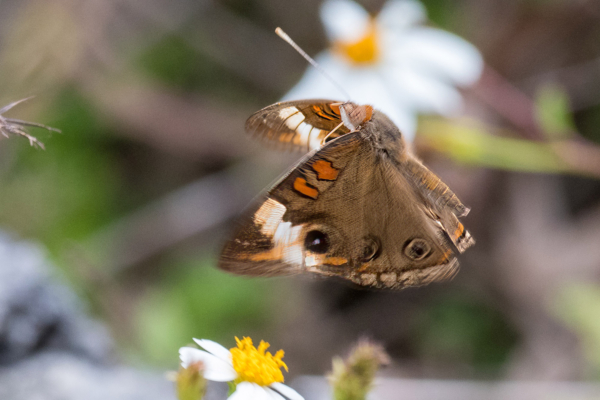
38 312
64 376
49 348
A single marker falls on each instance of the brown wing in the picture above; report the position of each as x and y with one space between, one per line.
344 212
443 202
297 125
269 241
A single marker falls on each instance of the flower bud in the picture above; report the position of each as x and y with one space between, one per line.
352 379
190 382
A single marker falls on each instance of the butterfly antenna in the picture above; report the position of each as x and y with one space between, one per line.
312 62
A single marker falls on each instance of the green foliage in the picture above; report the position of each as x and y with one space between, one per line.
176 63
190 382
442 13
458 329
173 61
231 387
588 122
471 143
66 191
553 112
195 300
578 305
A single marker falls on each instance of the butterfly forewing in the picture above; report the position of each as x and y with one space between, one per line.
297 125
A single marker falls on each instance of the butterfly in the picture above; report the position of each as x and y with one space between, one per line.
359 205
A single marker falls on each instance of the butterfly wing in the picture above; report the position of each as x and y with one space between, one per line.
297 125
442 201
344 211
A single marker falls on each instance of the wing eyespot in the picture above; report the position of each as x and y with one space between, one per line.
317 242
371 249
417 249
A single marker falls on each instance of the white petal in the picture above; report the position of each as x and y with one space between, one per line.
251 391
215 349
423 93
355 80
314 84
435 52
287 391
189 355
397 15
243 391
215 369
273 395
371 87
344 20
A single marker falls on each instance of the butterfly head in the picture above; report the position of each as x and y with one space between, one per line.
353 115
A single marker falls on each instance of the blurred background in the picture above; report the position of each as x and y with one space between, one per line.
132 202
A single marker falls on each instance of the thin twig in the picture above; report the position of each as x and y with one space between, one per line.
13 126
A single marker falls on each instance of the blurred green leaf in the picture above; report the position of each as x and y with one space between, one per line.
553 112
67 191
472 143
177 63
588 121
578 305
444 14
195 300
456 328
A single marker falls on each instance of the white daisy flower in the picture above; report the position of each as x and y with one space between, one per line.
256 372
391 62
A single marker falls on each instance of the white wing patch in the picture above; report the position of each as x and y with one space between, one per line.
269 216
292 117
287 243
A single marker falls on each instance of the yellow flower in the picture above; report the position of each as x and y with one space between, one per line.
366 50
256 372
256 365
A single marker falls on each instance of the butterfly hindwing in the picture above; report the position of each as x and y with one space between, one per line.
443 202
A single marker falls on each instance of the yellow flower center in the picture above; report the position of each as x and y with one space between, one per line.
363 51
255 365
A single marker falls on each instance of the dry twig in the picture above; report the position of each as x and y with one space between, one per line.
16 126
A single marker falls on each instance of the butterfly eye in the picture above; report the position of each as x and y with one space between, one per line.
371 250
316 242
417 249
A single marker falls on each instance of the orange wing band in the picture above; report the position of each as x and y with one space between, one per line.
325 170
302 187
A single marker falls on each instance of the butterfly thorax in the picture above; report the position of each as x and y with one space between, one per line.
383 135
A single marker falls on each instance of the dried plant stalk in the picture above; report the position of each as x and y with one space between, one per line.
16 127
